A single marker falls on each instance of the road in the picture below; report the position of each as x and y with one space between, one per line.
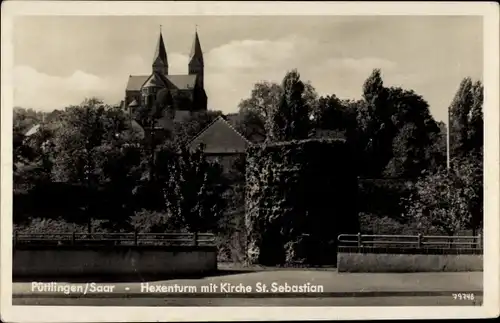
330 289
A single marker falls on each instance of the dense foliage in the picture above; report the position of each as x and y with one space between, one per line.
296 188
89 166
95 165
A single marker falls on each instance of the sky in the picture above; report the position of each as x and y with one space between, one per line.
61 60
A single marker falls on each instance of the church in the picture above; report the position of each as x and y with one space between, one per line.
220 138
187 90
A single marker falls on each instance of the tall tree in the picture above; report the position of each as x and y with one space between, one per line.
374 124
265 97
291 118
396 132
460 113
414 132
475 120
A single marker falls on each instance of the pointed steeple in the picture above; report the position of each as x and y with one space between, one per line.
160 62
196 55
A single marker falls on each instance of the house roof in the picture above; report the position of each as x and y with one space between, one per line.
181 82
32 130
220 137
133 104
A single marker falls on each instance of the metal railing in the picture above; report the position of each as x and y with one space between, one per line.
410 241
116 239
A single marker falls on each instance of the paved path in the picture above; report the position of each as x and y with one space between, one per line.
333 284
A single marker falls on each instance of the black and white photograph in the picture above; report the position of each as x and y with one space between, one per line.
190 157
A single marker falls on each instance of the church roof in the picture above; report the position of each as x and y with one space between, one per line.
220 137
196 54
135 82
181 82
154 81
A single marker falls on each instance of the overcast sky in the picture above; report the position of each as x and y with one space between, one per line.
61 60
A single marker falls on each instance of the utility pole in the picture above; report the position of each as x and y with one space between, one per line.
448 126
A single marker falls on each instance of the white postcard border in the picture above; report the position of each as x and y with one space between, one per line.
490 308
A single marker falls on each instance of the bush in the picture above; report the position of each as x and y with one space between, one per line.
295 188
146 221
374 224
41 226
383 197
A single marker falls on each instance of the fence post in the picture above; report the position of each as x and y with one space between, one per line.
195 238
73 238
135 237
360 243
419 241
479 241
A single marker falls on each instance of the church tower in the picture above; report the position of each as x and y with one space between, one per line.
196 65
160 62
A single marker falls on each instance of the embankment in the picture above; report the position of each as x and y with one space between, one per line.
399 260
68 261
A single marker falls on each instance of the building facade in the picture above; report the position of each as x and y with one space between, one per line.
187 91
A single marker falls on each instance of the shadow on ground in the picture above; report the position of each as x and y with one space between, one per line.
224 269
129 278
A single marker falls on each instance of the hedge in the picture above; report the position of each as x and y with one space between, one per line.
300 195
383 197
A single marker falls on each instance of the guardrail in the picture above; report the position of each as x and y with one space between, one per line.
410 241
125 239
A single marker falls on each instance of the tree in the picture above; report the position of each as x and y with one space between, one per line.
466 119
291 118
374 125
156 116
265 97
33 158
436 154
92 148
251 124
336 117
24 119
396 132
414 132
475 120
449 201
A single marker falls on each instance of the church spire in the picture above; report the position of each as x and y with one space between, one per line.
196 55
160 62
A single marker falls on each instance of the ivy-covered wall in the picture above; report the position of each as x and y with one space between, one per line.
300 195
